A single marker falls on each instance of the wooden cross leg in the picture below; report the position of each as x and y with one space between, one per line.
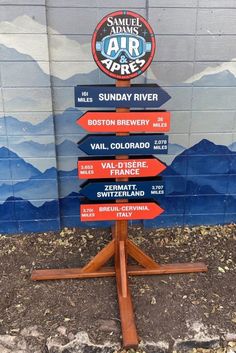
121 249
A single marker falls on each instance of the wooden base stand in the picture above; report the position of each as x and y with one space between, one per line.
120 249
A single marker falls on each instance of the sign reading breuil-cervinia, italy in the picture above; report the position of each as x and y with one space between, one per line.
147 210
123 45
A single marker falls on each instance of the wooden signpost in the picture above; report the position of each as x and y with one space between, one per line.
122 52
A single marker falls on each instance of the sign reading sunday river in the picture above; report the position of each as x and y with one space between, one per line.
123 45
138 96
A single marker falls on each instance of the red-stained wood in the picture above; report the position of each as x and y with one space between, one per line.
120 247
132 270
101 258
123 269
138 255
128 327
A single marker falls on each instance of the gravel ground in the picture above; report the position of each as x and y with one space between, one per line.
173 312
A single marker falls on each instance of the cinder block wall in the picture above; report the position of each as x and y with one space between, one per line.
45 51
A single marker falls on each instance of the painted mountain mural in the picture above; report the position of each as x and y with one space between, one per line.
200 189
39 189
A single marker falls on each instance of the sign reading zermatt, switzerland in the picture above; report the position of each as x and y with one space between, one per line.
123 47
148 189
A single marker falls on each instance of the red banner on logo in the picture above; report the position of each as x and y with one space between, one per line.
143 121
131 168
119 211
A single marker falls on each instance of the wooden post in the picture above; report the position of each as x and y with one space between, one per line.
120 247
129 332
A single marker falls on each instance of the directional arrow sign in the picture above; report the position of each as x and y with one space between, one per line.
132 168
143 96
139 121
121 211
110 145
123 190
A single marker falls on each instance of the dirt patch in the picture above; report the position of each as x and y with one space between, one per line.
167 308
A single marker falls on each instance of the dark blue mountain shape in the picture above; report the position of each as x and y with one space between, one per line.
50 173
67 148
24 167
65 123
223 78
9 54
34 149
202 169
6 153
19 209
82 79
206 147
69 173
37 185
17 127
203 158
174 148
232 147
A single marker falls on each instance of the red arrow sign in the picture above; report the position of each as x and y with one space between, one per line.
119 211
132 168
140 121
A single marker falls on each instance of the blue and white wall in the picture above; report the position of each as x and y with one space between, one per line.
45 52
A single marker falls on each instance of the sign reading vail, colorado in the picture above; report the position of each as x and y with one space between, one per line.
123 45
117 145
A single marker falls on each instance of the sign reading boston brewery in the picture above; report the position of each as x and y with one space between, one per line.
111 145
123 45
139 121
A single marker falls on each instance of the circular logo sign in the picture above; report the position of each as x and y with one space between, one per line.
123 45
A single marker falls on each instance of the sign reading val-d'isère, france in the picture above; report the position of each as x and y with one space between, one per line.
123 45
132 168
